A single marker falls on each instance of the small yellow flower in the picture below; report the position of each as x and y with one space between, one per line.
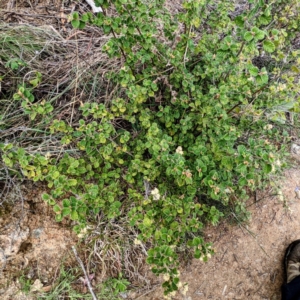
179 150
137 242
227 190
166 277
47 155
155 194
268 127
185 289
82 233
281 87
280 196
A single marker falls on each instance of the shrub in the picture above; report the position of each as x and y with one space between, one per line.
196 120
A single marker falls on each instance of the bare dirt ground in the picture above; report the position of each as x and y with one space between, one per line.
247 263
32 243
248 260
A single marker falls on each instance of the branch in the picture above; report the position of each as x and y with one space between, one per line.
85 273
186 47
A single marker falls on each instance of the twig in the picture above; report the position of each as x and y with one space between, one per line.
251 233
187 44
30 15
76 82
85 273
148 292
4 258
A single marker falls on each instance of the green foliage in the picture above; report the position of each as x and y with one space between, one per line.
65 287
115 286
15 63
28 103
25 284
193 125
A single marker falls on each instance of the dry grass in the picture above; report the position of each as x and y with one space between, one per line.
112 250
73 70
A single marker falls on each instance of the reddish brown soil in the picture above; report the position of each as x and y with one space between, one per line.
32 243
248 259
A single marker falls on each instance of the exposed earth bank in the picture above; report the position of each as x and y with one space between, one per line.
248 260
247 263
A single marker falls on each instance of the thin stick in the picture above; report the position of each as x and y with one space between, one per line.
85 273
148 292
186 48
251 233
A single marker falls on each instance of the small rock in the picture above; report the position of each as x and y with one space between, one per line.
37 232
124 295
200 293
37 286
295 148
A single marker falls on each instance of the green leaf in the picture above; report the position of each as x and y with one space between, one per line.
264 19
196 241
65 211
248 36
81 25
239 21
40 109
154 86
267 168
258 34
147 222
34 82
55 174
58 217
74 215
227 162
284 106
66 203
253 70
226 43
197 253
33 115
45 197
56 208
262 79
295 69
51 202
8 162
75 23
242 182
241 149
75 15
269 46
85 17
72 182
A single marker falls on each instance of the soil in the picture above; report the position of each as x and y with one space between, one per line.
32 243
248 259
248 263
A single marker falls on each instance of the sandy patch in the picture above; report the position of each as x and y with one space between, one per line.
248 260
32 243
